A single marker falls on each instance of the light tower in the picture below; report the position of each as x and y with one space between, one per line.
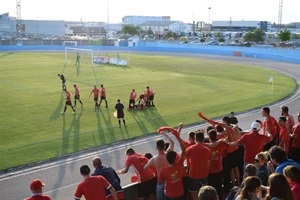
19 26
279 15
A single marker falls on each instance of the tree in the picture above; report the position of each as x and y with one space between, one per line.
221 39
130 29
254 36
285 35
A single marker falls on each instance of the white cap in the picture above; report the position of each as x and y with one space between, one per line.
255 126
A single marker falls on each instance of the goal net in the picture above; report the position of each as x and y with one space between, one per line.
85 55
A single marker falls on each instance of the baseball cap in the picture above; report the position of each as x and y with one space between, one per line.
255 126
36 184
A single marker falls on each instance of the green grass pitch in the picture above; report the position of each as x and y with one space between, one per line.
32 128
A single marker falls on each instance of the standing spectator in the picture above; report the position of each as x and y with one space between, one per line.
263 173
171 176
150 97
290 122
284 137
77 96
279 188
132 98
77 63
198 165
63 80
96 92
36 187
93 187
279 158
208 193
215 168
233 119
68 102
295 152
120 113
146 188
270 126
251 189
102 95
111 176
248 140
160 161
292 175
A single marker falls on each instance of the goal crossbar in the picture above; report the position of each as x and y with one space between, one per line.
68 50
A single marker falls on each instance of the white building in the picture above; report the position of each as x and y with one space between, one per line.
240 25
136 20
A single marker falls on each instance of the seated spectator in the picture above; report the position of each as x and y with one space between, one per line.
262 169
110 175
251 189
36 187
292 175
279 158
207 193
279 188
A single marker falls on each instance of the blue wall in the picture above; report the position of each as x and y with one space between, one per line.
278 54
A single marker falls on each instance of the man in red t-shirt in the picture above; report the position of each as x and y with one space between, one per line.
198 165
132 98
93 187
253 143
68 102
172 175
36 187
284 137
102 95
150 96
296 141
77 95
147 179
270 126
96 92
215 168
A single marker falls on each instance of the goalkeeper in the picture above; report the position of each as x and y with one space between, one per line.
77 59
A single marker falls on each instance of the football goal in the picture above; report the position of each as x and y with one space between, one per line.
85 55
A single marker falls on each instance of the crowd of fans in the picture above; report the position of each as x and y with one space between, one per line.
220 162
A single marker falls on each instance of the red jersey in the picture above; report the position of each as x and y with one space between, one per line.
68 96
96 92
138 161
230 149
39 197
172 177
92 188
198 157
150 92
76 91
216 158
296 132
253 143
270 125
132 95
221 136
103 92
285 137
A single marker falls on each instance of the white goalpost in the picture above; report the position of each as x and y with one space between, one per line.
86 55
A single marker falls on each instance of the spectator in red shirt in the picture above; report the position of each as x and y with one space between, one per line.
172 175
96 92
290 122
198 165
215 168
93 187
36 187
270 126
296 141
292 175
284 137
68 102
146 188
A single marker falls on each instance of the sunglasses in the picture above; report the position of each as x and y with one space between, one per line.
256 160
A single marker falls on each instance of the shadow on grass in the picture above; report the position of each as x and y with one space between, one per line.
6 54
77 70
76 129
96 79
56 112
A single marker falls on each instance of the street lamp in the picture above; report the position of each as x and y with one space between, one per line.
209 17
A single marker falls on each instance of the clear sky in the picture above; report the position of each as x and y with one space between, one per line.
186 11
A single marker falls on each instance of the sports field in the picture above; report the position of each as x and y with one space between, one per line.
32 128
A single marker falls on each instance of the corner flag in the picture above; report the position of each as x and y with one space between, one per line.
271 80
